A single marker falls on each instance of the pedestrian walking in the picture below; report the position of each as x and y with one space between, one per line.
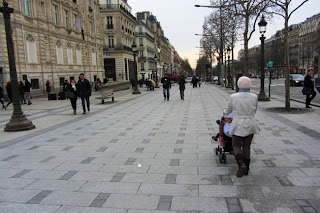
182 86
72 94
27 89
166 84
48 87
97 86
199 81
194 81
1 97
21 93
84 92
243 105
309 88
9 93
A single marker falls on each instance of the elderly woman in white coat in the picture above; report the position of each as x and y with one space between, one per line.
243 105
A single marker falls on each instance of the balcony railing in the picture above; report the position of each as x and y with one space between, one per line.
116 7
117 48
109 26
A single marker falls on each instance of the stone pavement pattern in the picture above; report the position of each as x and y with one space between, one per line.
149 155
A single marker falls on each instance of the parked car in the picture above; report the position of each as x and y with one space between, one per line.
188 80
274 76
296 80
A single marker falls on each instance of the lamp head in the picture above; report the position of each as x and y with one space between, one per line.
262 25
134 47
228 51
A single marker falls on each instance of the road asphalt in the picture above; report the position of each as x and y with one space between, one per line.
143 154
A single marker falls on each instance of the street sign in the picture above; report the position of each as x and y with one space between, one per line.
270 64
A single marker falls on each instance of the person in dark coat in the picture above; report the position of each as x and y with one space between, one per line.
309 88
72 89
1 97
9 93
194 81
48 87
21 93
27 89
84 92
166 86
182 86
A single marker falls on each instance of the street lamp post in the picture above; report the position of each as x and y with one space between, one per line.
156 59
229 75
262 27
136 89
18 121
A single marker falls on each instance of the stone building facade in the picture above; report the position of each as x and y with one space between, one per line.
118 27
49 44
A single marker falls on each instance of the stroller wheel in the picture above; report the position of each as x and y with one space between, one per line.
220 159
216 149
224 158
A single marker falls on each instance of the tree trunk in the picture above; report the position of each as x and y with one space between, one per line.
287 66
246 49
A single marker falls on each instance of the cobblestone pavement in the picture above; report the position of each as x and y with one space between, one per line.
142 154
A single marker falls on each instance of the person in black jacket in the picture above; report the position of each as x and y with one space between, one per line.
9 93
84 92
182 87
309 88
72 92
166 86
1 97
21 93
27 88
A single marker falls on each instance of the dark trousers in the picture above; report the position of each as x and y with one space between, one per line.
83 99
73 103
241 145
310 97
1 101
182 93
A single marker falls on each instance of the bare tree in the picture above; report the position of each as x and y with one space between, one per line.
248 11
281 7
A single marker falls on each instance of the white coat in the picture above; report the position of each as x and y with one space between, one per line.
243 105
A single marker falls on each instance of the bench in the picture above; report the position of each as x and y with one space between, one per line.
106 93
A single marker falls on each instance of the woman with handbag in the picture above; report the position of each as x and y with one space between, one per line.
72 95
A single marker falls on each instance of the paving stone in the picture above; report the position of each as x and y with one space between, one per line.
78 209
23 208
10 157
15 183
111 187
39 197
17 195
174 162
20 174
132 201
69 198
68 175
170 179
88 160
102 149
61 185
100 200
47 159
198 204
168 189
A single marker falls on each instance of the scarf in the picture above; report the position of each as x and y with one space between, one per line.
244 90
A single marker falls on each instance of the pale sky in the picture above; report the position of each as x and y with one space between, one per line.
180 21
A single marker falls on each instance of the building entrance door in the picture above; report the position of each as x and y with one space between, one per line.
110 68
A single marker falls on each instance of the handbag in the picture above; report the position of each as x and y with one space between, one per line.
69 94
304 91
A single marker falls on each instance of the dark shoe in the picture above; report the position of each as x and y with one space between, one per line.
88 109
241 165
84 113
247 162
29 103
308 107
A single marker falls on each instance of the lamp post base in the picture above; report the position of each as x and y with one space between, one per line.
263 97
136 91
18 122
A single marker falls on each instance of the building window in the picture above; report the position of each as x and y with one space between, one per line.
90 28
109 22
26 7
35 83
59 52
75 16
111 42
61 81
31 49
140 41
55 14
142 66
66 18
42 7
69 54
141 53
78 55
140 30
94 57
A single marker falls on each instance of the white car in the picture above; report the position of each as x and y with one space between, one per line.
188 80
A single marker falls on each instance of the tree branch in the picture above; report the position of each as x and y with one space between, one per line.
297 8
